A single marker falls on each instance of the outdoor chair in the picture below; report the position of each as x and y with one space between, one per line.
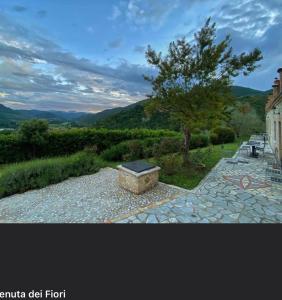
261 149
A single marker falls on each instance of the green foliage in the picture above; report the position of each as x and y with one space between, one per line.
246 123
33 134
166 146
200 157
151 147
116 152
199 141
134 116
169 164
68 141
194 80
18 178
203 161
139 149
222 135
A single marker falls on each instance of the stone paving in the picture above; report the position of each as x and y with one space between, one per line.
86 199
231 193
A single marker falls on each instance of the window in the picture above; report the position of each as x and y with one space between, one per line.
274 130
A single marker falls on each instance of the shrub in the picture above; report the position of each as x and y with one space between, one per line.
222 135
68 141
34 174
167 146
200 157
199 141
138 149
135 148
169 164
33 135
116 153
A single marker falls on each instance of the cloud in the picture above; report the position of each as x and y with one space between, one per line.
116 12
19 8
117 43
139 49
250 18
42 13
34 69
145 12
254 23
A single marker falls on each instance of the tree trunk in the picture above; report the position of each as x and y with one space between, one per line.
187 138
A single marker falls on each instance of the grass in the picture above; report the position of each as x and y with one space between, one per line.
189 177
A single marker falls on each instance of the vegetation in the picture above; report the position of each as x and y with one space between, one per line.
194 81
13 148
133 116
139 149
189 176
33 135
21 177
18 178
222 135
245 114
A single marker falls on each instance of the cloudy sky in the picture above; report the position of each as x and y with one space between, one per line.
88 55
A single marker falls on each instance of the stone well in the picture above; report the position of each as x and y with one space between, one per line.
138 176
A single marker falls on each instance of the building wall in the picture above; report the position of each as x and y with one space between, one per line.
273 119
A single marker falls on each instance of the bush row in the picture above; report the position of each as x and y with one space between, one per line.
18 178
222 135
69 141
139 149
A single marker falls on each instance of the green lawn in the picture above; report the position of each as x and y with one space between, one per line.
189 177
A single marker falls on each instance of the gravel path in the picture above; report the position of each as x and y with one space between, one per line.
88 199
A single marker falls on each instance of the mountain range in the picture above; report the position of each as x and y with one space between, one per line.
131 116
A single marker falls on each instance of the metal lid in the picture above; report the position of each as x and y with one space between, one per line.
138 166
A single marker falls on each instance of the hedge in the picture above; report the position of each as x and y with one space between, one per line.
21 177
157 147
222 135
62 142
138 149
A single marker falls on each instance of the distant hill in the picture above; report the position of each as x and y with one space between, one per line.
92 119
10 118
240 91
133 116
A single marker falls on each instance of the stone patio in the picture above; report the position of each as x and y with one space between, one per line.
231 193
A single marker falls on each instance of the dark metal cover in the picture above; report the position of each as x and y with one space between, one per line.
138 166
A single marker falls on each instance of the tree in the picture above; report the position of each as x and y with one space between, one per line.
194 80
246 122
34 134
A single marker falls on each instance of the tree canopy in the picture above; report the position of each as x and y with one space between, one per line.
194 79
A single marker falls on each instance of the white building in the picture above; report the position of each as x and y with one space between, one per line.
274 117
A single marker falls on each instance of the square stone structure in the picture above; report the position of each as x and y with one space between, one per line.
138 176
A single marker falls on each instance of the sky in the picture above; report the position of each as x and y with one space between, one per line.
89 55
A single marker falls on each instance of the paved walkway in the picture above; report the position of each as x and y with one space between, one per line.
87 199
229 194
